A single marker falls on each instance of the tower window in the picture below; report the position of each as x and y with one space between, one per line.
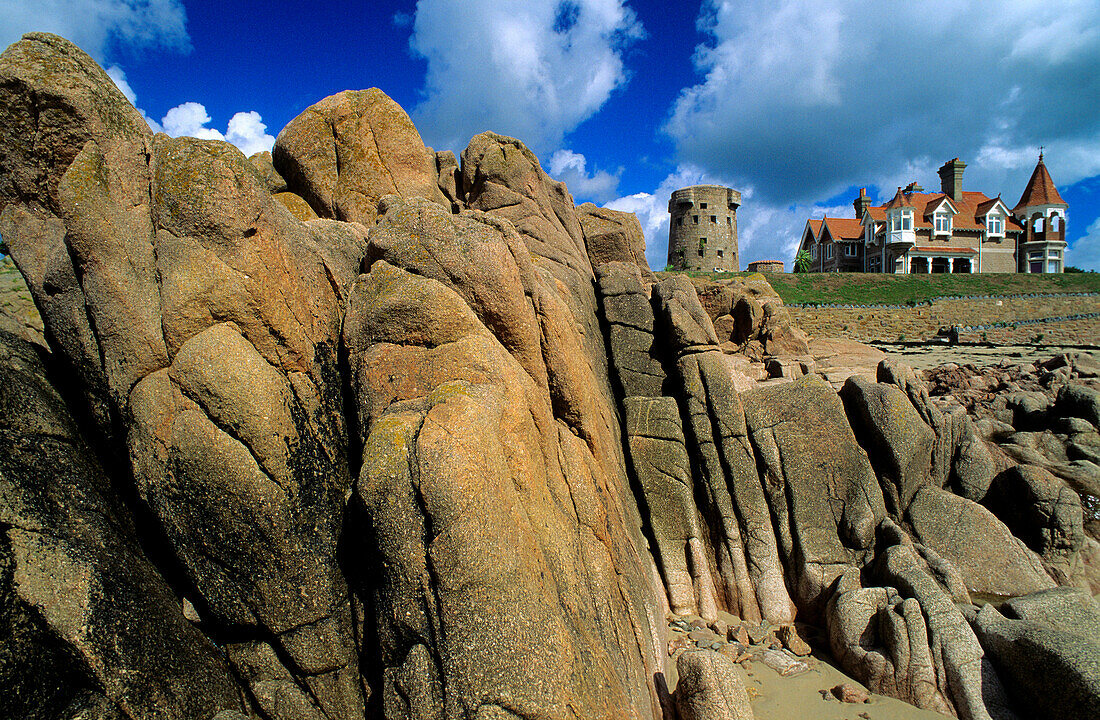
703 206
729 220
714 218
695 219
719 254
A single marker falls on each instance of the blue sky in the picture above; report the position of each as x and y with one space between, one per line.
797 103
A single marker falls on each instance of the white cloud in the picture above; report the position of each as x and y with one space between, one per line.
809 97
94 25
247 132
246 129
533 69
806 99
571 168
1085 253
189 119
118 77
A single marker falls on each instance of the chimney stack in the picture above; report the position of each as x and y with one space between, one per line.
861 203
951 178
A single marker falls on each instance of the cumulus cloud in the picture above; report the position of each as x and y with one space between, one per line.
808 97
571 168
805 98
95 25
246 130
1085 253
534 69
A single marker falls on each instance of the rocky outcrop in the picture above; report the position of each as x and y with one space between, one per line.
613 236
451 450
710 688
88 624
344 153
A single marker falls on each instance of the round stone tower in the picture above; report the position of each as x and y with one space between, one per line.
702 234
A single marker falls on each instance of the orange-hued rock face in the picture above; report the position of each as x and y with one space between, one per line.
344 153
408 438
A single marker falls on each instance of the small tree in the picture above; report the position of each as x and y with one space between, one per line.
802 262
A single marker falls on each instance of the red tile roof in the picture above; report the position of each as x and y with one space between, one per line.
971 206
844 228
1040 189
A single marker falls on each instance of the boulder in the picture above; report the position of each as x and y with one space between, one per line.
1079 401
897 441
820 487
1050 670
748 316
711 687
269 176
470 497
1041 510
611 235
972 539
344 153
684 321
296 204
87 622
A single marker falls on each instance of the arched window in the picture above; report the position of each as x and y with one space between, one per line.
1055 222
1037 226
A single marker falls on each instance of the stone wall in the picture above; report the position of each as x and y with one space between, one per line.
923 322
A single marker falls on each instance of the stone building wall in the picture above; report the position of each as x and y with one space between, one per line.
702 232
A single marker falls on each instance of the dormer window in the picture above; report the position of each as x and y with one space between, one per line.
942 223
995 225
906 219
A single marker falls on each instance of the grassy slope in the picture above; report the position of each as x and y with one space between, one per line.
875 288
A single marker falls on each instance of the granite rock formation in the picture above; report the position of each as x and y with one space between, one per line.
415 437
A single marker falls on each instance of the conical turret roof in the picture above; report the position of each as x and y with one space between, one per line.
1040 189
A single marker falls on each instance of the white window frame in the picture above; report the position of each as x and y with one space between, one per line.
941 222
829 251
850 250
813 252
906 220
994 225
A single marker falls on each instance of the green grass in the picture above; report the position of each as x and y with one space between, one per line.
880 289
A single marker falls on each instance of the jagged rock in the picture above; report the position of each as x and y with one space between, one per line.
684 322
897 441
296 204
344 153
747 562
86 622
655 440
972 539
819 485
1079 401
450 179
471 495
1050 670
614 236
269 176
1041 510
630 342
710 688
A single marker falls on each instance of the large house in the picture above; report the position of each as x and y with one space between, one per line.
952 231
